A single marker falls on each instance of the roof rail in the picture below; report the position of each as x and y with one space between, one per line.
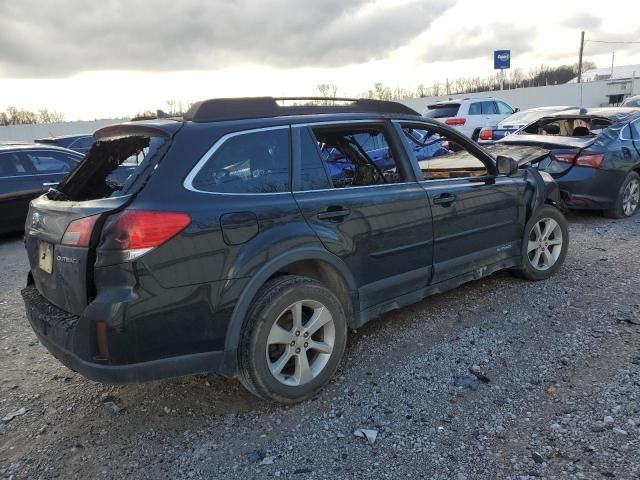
218 109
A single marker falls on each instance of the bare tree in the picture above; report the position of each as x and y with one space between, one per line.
327 91
47 116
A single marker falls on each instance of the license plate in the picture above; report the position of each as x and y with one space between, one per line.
45 256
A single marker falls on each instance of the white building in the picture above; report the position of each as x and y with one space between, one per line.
28 133
594 91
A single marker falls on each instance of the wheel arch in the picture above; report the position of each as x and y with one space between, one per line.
313 262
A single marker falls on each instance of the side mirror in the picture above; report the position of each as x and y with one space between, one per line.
516 109
506 165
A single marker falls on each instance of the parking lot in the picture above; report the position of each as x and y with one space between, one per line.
548 375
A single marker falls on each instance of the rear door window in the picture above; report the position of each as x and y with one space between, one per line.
50 162
442 111
313 172
248 162
489 108
475 108
11 165
358 156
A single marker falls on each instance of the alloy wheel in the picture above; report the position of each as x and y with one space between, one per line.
631 197
545 244
300 342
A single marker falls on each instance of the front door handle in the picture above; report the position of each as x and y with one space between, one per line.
334 213
50 184
446 199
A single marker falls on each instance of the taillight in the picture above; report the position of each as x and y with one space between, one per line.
486 134
134 232
593 160
565 157
455 121
78 233
585 159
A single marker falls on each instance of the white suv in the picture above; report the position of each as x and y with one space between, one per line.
469 115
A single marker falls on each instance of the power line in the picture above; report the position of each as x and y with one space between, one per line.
607 41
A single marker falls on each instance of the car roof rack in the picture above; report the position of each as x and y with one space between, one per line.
219 109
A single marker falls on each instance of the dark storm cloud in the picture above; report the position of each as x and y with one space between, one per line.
47 39
480 41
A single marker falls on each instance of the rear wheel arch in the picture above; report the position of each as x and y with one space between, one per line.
315 263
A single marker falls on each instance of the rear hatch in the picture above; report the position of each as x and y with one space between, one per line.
63 226
442 110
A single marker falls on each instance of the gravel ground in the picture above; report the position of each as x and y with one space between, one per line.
548 379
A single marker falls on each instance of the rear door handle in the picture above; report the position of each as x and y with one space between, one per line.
332 213
446 199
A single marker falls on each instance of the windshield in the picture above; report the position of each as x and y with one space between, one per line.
442 110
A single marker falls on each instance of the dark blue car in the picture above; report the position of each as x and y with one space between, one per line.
373 147
27 171
594 155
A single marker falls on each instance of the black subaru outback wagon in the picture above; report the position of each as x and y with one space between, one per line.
252 234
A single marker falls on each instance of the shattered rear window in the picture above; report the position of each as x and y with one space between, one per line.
110 168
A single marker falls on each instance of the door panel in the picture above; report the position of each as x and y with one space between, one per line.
383 233
474 223
15 195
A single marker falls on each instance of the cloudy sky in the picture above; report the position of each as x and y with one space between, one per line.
118 57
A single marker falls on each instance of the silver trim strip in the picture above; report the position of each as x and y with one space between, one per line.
342 189
188 182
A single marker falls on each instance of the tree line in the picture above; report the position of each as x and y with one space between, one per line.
538 76
19 116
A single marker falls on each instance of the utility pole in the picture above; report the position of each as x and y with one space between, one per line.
580 57
613 56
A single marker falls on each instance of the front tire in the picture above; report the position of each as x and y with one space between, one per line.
628 198
545 244
293 339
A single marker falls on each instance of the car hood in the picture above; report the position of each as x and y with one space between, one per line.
521 154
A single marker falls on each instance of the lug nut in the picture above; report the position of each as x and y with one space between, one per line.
306 334
297 350
297 333
293 343
306 345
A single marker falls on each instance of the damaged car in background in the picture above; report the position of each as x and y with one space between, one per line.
594 156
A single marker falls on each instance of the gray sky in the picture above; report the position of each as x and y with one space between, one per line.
117 57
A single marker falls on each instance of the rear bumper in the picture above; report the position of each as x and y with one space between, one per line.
58 331
590 188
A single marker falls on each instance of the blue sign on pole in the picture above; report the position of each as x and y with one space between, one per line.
501 59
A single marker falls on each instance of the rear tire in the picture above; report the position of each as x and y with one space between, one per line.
628 199
545 244
292 341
